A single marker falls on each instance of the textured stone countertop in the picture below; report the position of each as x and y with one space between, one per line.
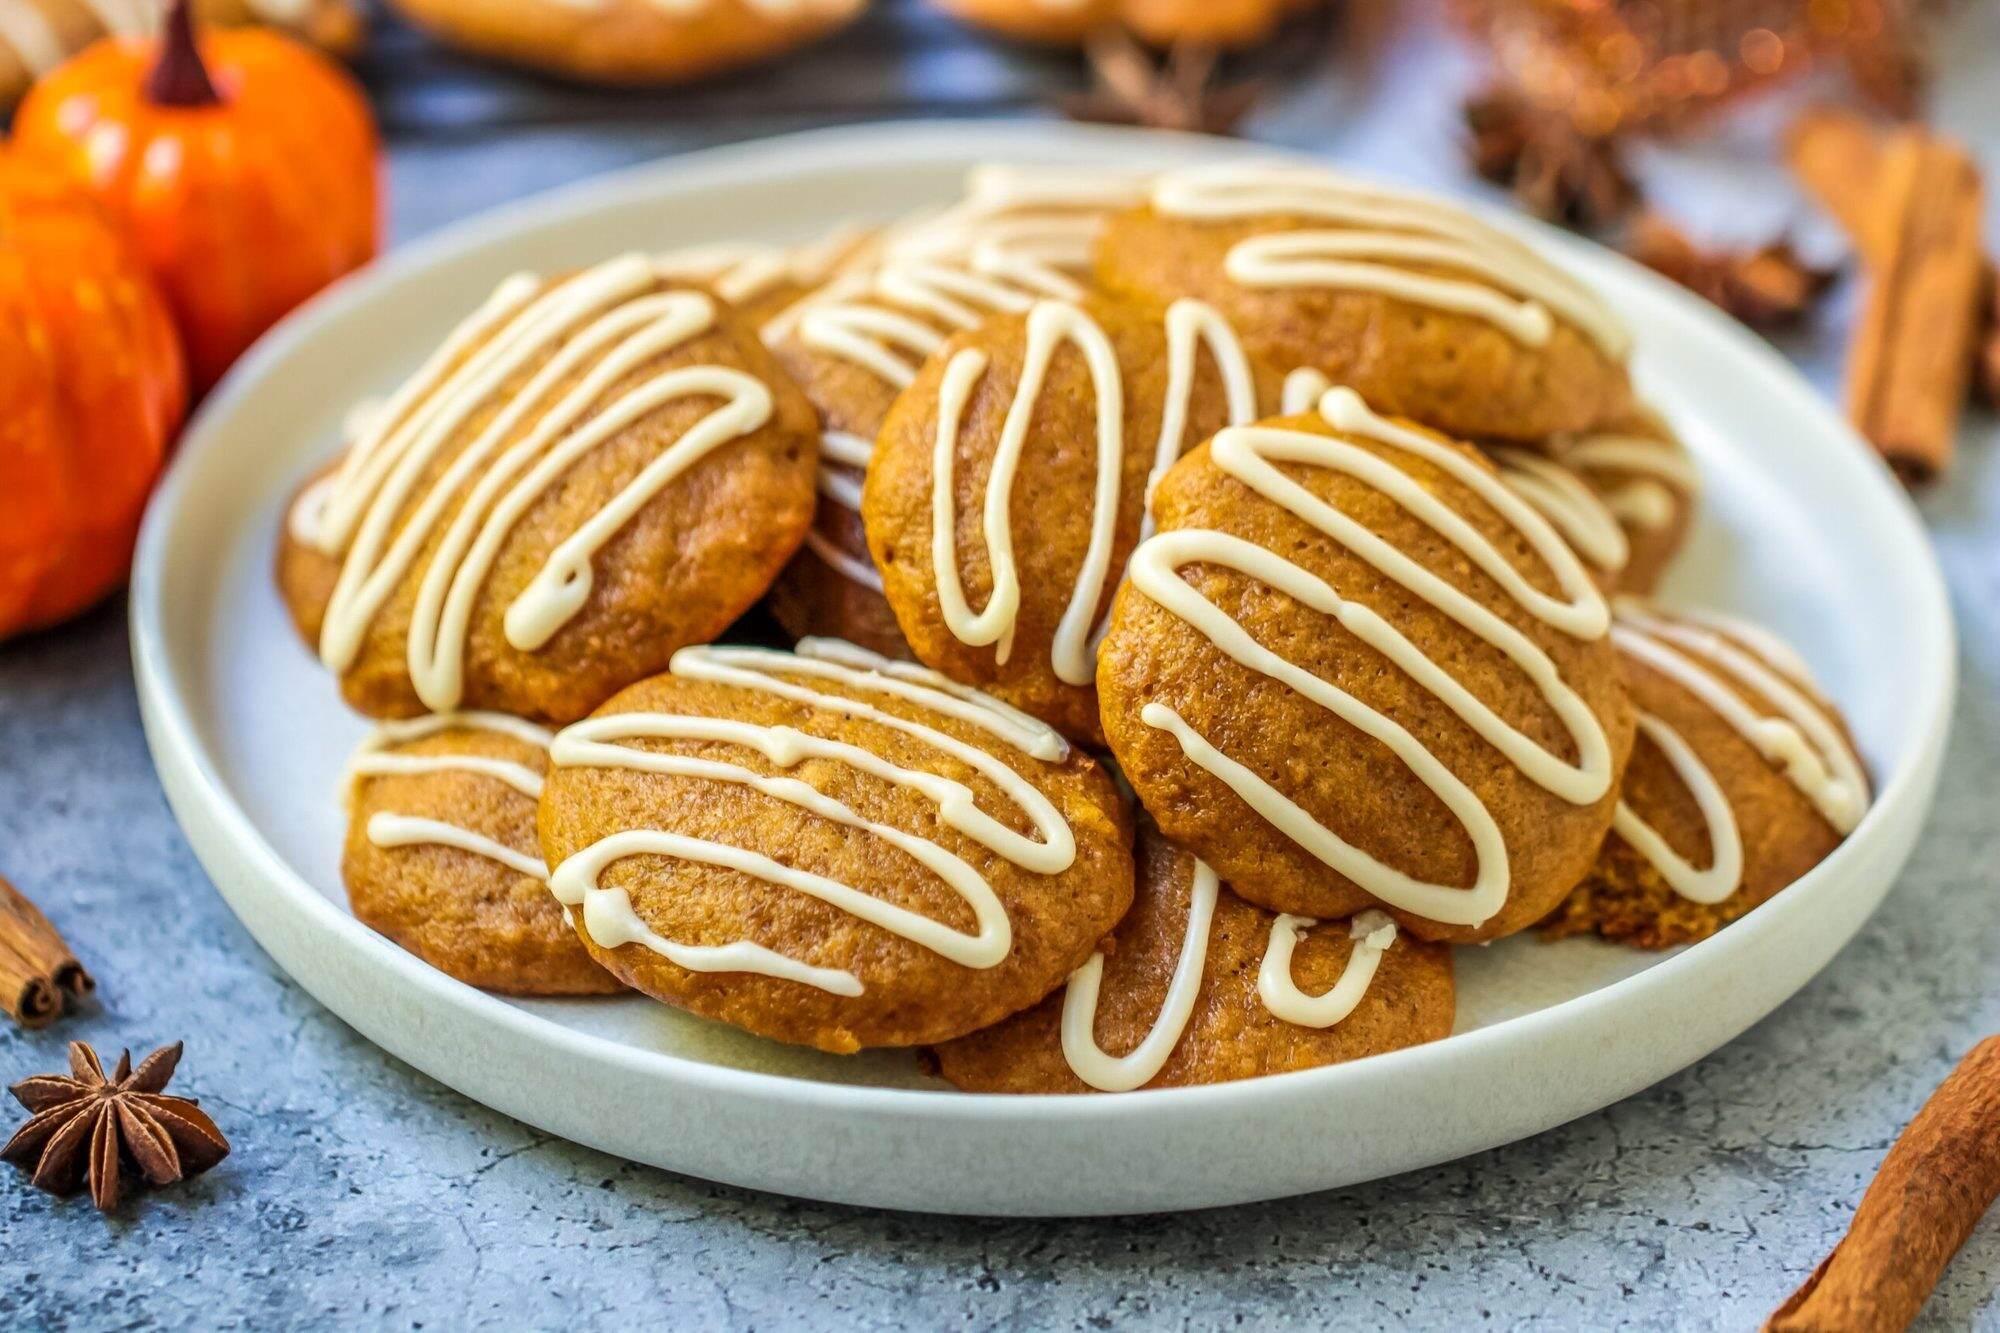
362 1192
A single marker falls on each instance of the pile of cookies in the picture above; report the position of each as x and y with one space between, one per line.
1217 595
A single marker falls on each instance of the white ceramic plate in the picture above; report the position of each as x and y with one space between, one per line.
1801 528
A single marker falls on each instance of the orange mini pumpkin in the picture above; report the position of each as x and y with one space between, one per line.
245 172
91 389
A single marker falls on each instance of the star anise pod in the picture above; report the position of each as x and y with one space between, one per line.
1554 169
1768 287
1133 87
86 1126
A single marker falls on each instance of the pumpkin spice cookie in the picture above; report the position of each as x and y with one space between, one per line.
760 280
1743 778
1354 670
1018 236
1047 215
441 854
1419 306
1572 507
588 474
852 346
630 41
1198 986
832 848
1010 480
1645 479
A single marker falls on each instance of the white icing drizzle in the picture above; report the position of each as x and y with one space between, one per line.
843 562
1373 933
1143 1062
842 457
603 325
371 757
1192 325
1645 499
1189 325
888 321
850 664
1303 389
738 270
390 829
1755 637
1568 502
608 914
1725 839
1381 240
995 188
1250 454
1048 215
743 271
1798 736
393 830
1050 324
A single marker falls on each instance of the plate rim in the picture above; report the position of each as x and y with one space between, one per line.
176 746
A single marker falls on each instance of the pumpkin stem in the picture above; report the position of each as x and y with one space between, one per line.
179 78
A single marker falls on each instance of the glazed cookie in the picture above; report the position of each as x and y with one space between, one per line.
38 35
1743 779
832 588
1009 485
1201 987
1419 306
1354 670
1016 237
758 280
1047 215
441 854
630 41
1541 476
831 848
1572 506
1647 482
588 474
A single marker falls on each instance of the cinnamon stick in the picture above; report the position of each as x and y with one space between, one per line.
1912 202
1939 1178
38 971
1836 156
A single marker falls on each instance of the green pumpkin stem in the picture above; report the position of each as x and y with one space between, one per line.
179 78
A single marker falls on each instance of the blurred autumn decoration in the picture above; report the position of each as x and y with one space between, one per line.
1629 66
244 168
161 205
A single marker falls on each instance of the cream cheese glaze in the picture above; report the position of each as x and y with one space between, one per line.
1718 659
1373 933
1189 325
373 758
1387 241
